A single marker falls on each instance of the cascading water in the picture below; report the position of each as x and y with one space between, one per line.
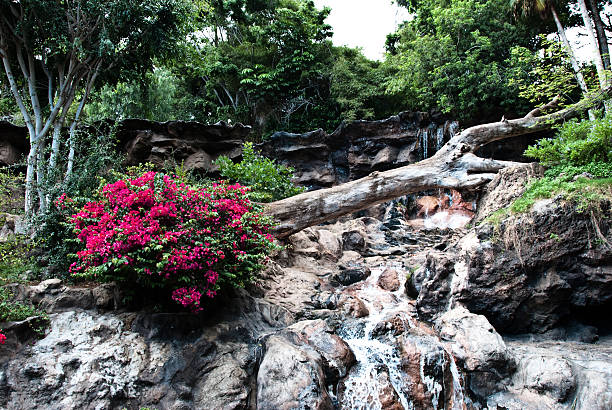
438 134
379 372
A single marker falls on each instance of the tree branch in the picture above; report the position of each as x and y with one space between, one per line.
454 166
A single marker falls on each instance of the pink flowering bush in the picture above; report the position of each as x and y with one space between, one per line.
156 231
2 338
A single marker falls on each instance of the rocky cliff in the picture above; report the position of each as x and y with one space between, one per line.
352 151
362 313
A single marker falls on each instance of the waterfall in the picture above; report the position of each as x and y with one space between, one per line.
379 367
439 134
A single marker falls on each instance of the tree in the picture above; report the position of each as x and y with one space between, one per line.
453 56
454 166
545 8
54 51
263 62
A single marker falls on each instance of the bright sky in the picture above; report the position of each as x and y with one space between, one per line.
363 23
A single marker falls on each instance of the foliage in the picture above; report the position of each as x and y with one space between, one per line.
267 180
156 232
357 85
542 76
264 62
54 234
11 184
454 56
576 143
160 95
584 191
16 258
54 52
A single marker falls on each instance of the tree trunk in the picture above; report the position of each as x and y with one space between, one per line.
454 166
588 24
570 53
602 38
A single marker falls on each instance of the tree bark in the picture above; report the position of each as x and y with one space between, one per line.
602 38
454 166
570 53
598 60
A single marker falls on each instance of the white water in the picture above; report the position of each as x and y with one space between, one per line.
362 385
446 219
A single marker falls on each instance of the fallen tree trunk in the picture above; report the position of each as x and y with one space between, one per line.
454 166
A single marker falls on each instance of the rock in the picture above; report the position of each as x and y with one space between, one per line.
329 245
558 375
352 275
353 241
199 161
13 143
506 186
553 376
478 348
389 280
320 336
290 377
305 242
106 296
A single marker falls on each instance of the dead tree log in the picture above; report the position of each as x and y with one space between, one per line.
454 166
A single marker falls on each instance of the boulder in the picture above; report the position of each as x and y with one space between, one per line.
478 349
389 280
291 377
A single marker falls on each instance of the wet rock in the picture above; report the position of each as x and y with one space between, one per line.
374 390
352 275
426 371
321 337
478 348
352 306
389 280
290 377
353 241
435 286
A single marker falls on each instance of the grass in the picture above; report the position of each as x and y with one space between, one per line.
584 192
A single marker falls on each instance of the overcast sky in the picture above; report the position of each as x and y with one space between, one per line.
363 23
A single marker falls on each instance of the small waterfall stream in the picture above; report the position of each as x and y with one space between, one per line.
379 377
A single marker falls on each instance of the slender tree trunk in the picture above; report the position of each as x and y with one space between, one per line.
588 24
454 166
602 38
572 58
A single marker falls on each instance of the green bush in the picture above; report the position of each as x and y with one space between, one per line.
267 180
576 143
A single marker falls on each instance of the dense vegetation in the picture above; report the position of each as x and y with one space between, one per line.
269 64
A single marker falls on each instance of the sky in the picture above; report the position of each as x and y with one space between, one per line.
363 23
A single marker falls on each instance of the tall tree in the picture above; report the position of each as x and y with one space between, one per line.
546 8
453 56
53 51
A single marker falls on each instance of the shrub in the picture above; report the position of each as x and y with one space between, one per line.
267 180
576 143
158 232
